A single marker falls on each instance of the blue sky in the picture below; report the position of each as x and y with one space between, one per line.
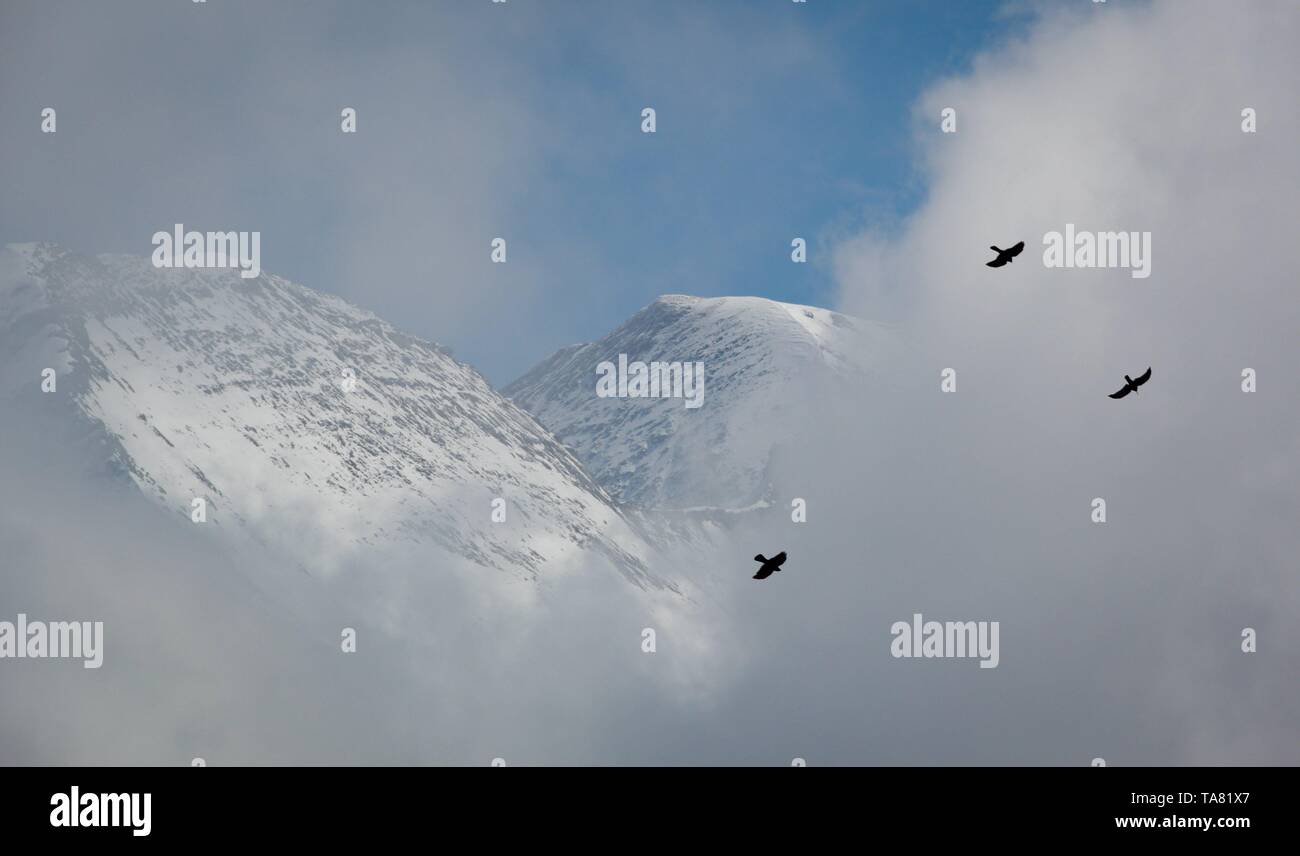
803 155
522 120
817 148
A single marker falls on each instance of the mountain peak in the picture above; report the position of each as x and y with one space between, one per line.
757 359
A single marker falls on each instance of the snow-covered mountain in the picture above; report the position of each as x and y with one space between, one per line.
302 421
766 366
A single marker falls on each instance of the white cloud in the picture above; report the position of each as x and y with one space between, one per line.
1111 118
1118 641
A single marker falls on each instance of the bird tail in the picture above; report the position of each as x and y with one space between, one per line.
760 558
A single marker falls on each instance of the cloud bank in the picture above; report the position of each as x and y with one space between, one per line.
1118 640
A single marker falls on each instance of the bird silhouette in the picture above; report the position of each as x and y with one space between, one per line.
1132 384
769 565
1005 256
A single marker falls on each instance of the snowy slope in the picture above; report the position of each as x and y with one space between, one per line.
304 422
766 365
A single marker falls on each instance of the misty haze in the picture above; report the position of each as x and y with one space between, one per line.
457 430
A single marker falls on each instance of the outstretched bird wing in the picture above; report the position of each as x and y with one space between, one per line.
1123 392
763 572
778 559
1015 251
1142 378
998 262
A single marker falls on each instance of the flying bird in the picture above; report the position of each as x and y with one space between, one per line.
769 565
1132 384
1005 256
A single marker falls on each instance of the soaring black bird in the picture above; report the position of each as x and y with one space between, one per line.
769 565
1131 384
1005 256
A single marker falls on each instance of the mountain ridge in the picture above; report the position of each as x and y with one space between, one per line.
296 416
